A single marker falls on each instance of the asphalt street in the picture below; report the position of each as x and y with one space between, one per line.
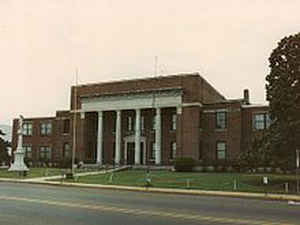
31 204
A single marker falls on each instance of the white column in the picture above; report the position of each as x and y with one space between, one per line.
137 152
100 138
158 137
118 138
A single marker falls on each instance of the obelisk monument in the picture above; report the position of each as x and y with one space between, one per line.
19 164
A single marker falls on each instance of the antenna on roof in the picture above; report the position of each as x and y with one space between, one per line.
155 66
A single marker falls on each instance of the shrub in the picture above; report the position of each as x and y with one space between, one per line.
184 164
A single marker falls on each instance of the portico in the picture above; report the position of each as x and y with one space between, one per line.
132 148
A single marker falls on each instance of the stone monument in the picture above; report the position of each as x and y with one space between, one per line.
19 164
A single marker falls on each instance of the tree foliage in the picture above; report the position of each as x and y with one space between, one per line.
259 153
283 94
4 157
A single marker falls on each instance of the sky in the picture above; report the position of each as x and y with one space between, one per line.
43 42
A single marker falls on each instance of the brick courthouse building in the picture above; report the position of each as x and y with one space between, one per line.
146 121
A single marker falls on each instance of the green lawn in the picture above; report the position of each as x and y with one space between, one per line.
202 181
32 173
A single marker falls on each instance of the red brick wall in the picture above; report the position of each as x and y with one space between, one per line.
195 88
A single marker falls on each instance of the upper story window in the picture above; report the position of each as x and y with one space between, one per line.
129 123
173 150
46 128
174 121
66 126
221 150
261 121
221 121
27 129
153 122
142 123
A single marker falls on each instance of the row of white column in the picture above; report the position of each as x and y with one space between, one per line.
118 140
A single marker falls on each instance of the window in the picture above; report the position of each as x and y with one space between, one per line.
173 150
152 153
28 151
66 128
153 122
45 152
114 151
27 129
261 121
200 150
221 150
142 122
221 120
129 123
46 129
174 121
67 151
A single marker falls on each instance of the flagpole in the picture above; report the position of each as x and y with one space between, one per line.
74 122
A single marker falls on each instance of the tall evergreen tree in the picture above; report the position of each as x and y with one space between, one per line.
283 94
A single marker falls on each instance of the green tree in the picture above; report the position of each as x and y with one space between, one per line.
259 152
4 157
283 94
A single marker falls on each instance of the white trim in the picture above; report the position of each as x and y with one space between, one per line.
131 139
192 104
254 106
140 101
215 110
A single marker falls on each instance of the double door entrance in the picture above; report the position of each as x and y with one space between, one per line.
131 153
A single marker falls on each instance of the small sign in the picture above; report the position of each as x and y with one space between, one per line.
265 180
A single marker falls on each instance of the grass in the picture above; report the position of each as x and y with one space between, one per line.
201 181
32 173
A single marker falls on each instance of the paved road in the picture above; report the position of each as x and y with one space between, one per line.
28 204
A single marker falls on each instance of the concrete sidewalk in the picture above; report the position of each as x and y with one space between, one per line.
76 175
47 181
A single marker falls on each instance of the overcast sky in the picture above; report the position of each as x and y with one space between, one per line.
42 42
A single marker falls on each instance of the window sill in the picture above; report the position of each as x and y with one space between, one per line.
220 129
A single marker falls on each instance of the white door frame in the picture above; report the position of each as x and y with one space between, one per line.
131 139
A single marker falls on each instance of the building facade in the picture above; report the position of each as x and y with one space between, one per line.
147 121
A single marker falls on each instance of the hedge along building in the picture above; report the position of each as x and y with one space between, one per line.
146 121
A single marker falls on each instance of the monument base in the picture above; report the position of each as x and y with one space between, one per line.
18 164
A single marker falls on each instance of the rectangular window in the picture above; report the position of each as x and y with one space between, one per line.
153 122
261 121
221 150
28 151
142 123
46 128
173 150
66 128
221 120
129 123
152 153
67 151
27 129
45 152
174 122
200 151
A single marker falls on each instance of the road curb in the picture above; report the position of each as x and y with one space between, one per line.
278 197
